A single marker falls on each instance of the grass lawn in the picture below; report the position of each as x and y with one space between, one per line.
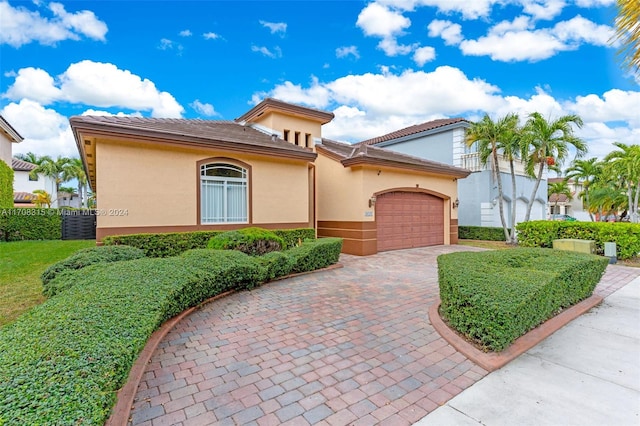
22 263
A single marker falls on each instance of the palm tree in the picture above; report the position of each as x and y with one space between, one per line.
558 189
488 134
549 142
42 197
55 169
75 170
628 31
585 172
29 157
624 164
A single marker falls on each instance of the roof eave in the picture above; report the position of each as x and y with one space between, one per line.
273 105
365 161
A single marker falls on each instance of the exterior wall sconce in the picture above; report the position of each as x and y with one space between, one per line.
372 201
456 203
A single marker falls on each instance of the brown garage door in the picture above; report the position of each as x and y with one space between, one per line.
409 219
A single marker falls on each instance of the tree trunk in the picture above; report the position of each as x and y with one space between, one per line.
535 191
633 208
513 239
496 170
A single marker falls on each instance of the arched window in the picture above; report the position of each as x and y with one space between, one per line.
223 193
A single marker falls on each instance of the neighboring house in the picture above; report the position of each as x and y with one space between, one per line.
24 183
443 140
66 199
560 204
268 168
8 136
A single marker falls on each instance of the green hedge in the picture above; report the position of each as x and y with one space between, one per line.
30 224
541 233
84 258
252 241
494 297
6 186
174 243
63 361
483 233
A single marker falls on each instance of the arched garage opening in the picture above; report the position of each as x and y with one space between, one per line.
409 219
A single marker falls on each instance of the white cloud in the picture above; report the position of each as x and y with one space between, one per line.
594 3
423 55
614 105
451 33
276 53
506 41
473 9
102 113
21 26
97 84
316 96
543 9
203 108
35 84
344 51
165 44
52 134
380 21
185 33
211 36
275 27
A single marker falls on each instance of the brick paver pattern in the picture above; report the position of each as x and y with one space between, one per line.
348 346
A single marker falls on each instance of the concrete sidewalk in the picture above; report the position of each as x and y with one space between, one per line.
587 373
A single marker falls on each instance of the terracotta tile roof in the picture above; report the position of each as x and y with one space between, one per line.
351 155
9 131
560 198
411 130
213 133
23 197
21 165
271 104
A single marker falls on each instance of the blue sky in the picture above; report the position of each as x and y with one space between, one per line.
378 65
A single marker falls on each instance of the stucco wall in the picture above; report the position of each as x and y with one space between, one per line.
5 149
344 193
21 183
142 185
438 147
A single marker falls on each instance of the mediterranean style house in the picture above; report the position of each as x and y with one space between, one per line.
24 184
270 168
561 204
8 136
443 140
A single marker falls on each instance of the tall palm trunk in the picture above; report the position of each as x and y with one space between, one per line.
496 170
513 239
535 191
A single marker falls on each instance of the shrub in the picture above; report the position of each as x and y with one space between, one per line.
30 224
164 245
86 257
481 233
172 244
295 237
252 241
275 264
315 254
6 186
63 361
541 233
494 297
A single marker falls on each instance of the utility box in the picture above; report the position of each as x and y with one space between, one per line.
610 252
581 246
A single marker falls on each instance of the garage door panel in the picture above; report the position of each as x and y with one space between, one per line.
409 219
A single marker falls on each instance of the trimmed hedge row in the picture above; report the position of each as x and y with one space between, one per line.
174 243
494 297
541 233
63 361
483 233
252 241
84 258
6 186
30 224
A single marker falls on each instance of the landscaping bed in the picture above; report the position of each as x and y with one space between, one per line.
64 361
494 297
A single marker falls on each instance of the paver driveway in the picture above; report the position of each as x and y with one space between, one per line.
347 346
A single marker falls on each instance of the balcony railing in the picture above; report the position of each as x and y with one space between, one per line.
472 162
